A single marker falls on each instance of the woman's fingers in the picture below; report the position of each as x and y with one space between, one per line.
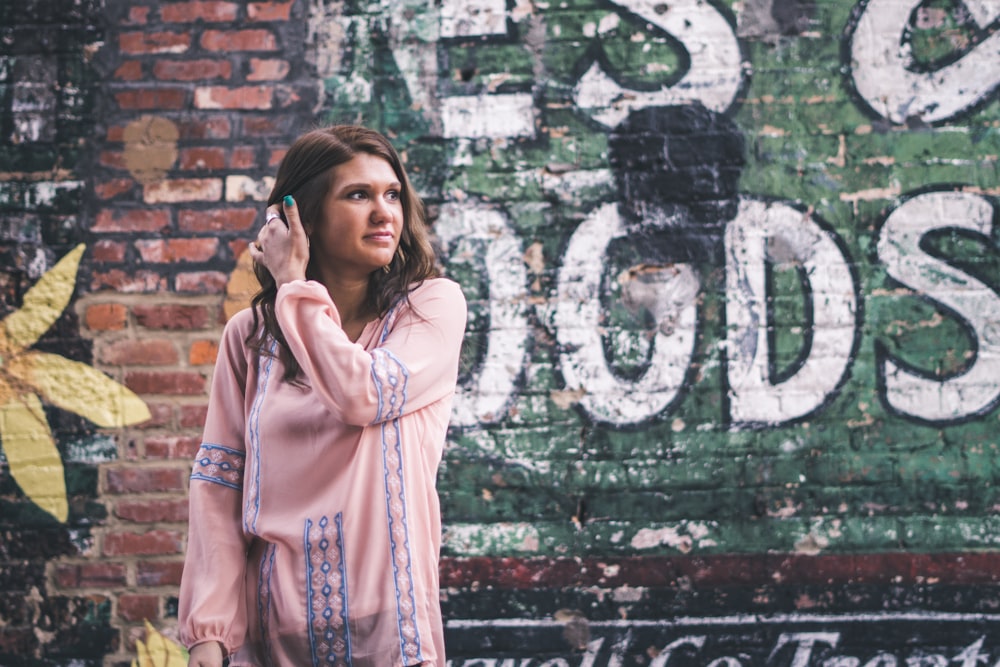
282 249
291 211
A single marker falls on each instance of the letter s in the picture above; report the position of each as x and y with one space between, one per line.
908 390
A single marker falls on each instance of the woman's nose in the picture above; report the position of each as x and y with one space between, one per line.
381 211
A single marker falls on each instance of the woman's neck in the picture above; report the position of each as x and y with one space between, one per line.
351 299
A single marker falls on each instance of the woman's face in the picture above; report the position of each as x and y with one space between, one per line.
362 219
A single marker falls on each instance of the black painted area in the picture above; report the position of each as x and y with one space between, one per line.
684 600
793 16
677 169
77 631
48 94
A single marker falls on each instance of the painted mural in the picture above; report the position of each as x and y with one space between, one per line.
734 328
699 274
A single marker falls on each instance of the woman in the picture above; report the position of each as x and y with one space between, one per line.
314 520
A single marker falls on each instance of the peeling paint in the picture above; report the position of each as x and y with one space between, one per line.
150 148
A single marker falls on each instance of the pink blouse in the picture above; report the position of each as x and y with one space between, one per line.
315 526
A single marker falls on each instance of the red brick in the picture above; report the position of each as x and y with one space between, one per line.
135 479
150 543
201 282
245 97
244 157
238 246
193 416
108 251
269 11
203 352
264 126
192 70
138 352
161 416
172 383
217 220
113 159
90 575
178 250
145 43
181 448
267 69
153 98
106 317
130 70
202 158
228 41
114 187
173 510
158 573
137 15
171 316
277 155
179 190
128 282
218 127
132 220
190 12
136 608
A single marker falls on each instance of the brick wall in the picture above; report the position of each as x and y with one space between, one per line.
729 389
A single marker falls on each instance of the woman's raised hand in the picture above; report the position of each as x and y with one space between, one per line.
283 249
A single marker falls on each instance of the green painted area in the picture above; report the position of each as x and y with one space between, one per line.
853 476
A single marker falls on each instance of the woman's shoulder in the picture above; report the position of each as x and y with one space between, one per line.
240 325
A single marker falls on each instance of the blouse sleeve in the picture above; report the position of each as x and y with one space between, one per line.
211 595
414 364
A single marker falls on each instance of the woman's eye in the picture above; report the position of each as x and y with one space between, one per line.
392 195
358 194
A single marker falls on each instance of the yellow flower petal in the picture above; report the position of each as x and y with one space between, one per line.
162 652
79 388
241 287
44 302
140 649
34 461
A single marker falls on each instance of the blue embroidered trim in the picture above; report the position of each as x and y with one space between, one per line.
219 465
399 543
390 377
390 319
326 592
264 599
252 510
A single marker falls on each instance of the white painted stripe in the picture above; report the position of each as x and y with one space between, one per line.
492 116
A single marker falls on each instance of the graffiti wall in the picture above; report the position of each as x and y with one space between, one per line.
730 380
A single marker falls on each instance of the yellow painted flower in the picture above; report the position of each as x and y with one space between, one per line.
27 377
158 651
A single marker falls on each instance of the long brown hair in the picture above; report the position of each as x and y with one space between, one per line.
306 173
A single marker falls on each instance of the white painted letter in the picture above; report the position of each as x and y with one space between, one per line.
663 657
713 78
883 75
471 231
577 321
754 397
975 390
804 644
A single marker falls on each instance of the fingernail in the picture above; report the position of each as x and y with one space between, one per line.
289 201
